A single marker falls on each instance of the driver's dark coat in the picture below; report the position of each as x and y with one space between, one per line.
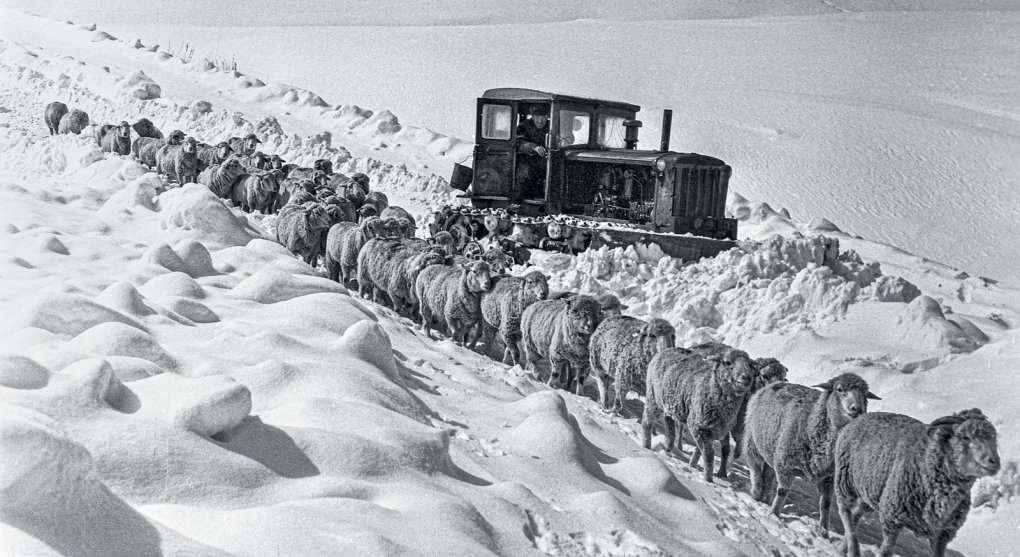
530 136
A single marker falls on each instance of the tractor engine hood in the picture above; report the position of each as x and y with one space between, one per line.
641 158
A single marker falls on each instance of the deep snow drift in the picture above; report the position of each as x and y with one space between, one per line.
172 380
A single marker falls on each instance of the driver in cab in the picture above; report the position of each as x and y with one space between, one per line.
531 151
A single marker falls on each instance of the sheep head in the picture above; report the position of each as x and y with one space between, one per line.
231 167
275 162
124 130
324 165
223 150
445 240
851 392
391 228
143 127
317 217
189 145
658 335
535 287
372 227
367 210
734 367
407 228
175 137
476 277
583 314
361 179
973 447
497 260
767 371
611 306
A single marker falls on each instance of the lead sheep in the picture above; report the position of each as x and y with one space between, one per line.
503 306
915 475
621 349
559 330
116 139
299 227
54 112
452 297
73 122
701 393
791 431
145 128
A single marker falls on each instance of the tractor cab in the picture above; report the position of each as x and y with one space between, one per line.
507 177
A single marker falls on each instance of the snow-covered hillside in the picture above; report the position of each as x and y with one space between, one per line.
173 381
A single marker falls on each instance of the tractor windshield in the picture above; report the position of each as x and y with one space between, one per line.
611 131
574 127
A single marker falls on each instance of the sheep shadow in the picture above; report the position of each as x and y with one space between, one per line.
268 445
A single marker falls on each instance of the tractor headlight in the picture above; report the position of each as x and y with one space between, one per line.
660 165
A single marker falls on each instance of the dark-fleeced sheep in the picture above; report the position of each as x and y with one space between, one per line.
362 180
209 155
397 212
222 177
145 128
54 112
917 476
503 306
299 227
452 297
405 276
354 193
257 191
146 148
343 243
375 267
701 393
559 330
791 430
73 122
116 139
621 349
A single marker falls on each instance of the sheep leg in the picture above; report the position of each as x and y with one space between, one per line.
581 375
784 478
940 541
651 415
824 503
696 457
849 515
704 441
556 373
889 534
670 433
758 469
513 348
476 333
620 393
426 321
600 382
724 456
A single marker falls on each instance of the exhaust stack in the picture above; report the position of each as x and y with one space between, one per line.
667 129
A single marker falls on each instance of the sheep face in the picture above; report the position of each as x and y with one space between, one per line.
536 286
372 227
250 144
175 137
324 165
611 306
318 218
124 130
223 150
477 276
390 229
275 162
973 447
497 260
852 393
736 369
189 145
445 240
769 370
232 166
661 333
407 227
366 211
584 314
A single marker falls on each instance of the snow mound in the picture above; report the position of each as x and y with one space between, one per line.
272 285
118 339
140 192
173 284
19 372
368 341
124 297
191 310
204 405
616 542
69 314
198 214
926 324
48 156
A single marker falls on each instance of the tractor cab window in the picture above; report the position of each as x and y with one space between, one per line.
611 131
496 121
574 128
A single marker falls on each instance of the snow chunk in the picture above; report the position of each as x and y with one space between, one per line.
926 324
195 209
272 285
123 296
191 310
49 242
19 372
173 284
139 86
200 107
140 192
368 341
204 405
118 339
894 289
68 313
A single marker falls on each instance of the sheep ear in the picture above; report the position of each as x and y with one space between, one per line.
825 386
717 358
947 421
872 396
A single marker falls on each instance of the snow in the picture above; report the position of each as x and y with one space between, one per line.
172 380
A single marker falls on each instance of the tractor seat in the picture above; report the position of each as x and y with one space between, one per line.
534 202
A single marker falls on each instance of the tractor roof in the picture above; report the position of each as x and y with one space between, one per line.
518 94
636 157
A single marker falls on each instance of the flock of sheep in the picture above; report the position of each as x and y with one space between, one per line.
915 475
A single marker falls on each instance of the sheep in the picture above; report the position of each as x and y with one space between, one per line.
298 228
701 393
145 128
179 162
611 306
452 297
355 194
257 191
559 330
209 155
323 165
341 209
791 430
73 122
374 267
222 177
503 306
362 180
256 161
291 187
621 348
301 173
915 475
117 139
146 148
343 242
445 240
54 112
276 163
366 211
397 212
377 199
404 276
244 147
